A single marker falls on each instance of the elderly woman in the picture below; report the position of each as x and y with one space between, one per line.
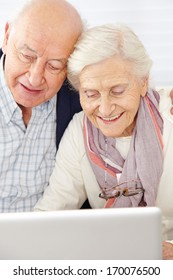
112 153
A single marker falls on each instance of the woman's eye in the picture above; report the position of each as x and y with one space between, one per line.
117 90
91 93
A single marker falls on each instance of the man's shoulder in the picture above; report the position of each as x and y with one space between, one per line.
71 98
68 104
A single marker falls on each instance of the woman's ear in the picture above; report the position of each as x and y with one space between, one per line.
144 86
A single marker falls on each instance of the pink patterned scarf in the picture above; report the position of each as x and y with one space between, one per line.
144 162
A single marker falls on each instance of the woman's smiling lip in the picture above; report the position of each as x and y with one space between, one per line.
111 119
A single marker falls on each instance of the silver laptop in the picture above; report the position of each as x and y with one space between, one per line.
119 234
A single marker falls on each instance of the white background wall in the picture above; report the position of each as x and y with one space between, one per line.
152 20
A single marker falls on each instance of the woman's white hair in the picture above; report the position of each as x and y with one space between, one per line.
101 42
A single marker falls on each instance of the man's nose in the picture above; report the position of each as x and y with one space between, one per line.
36 74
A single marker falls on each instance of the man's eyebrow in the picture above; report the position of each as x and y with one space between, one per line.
62 60
26 47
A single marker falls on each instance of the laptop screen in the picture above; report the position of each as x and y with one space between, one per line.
123 233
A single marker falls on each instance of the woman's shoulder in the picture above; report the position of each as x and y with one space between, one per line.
77 120
73 135
165 103
78 116
76 124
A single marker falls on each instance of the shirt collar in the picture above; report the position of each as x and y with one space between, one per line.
7 104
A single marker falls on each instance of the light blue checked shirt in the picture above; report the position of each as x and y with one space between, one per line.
27 155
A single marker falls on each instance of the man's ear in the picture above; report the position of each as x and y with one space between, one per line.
6 37
144 86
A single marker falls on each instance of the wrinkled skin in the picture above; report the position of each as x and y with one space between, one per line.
167 250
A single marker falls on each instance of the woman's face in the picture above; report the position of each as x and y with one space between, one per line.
110 95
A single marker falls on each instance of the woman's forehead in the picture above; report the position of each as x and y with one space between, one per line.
108 72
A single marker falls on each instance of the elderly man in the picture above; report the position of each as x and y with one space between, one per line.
35 50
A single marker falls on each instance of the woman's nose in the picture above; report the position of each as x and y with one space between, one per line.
106 107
